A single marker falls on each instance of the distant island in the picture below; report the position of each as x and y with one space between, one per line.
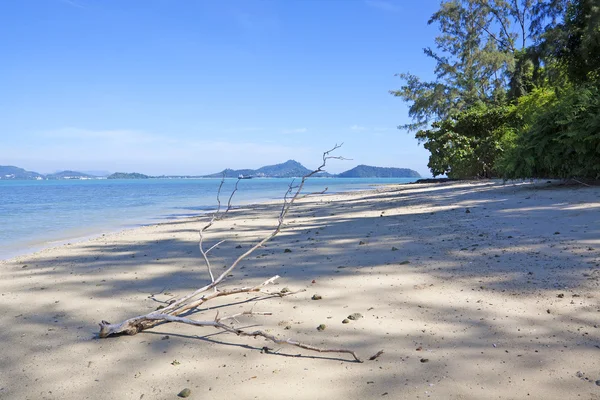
288 169
367 171
291 169
16 173
128 175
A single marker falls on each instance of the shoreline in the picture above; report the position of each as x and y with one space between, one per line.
25 247
500 301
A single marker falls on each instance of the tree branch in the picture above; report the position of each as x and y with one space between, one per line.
189 303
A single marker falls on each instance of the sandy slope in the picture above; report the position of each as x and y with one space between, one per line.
502 301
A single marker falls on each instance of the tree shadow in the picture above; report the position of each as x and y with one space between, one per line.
460 284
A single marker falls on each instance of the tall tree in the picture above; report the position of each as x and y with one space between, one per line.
476 56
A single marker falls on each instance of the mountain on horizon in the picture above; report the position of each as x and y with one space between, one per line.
69 175
288 169
12 172
367 171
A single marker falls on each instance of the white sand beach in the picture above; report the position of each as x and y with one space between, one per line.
473 290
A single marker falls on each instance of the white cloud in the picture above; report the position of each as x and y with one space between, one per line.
292 131
136 151
357 128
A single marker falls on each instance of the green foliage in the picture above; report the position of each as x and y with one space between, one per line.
494 109
467 144
563 139
475 59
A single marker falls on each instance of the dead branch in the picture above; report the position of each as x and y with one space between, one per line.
178 310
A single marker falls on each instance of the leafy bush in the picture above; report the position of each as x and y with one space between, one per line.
563 140
467 144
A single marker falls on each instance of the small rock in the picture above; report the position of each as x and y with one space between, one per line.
288 327
355 316
424 360
394 248
166 337
316 297
404 262
598 382
557 233
24 266
467 211
560 295
579 374
175 362
284 290
345 321
185 393
361 243
239 246
321 327
287 251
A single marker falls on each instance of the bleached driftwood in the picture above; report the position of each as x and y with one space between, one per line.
180 309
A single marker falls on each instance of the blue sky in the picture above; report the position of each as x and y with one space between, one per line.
192 87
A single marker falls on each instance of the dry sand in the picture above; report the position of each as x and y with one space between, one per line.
502 301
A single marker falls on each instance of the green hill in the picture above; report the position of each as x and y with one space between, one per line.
69 175
367 171
288 169
11 172
127 175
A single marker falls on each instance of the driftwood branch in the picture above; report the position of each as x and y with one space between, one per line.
180 309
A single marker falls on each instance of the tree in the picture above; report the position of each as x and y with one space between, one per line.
467 144
476 54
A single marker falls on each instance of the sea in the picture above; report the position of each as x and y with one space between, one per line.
39 214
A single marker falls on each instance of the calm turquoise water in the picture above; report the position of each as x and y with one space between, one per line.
34 214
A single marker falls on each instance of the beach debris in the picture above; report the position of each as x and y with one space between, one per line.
321 327
284 290
557 233
175 362
287 251
239 246
24 266
467 211
345 321
355 316
598 382
376 355
560 295
182 309
404 262
166 337
316 297
424 360
394 249
361 243
184 393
